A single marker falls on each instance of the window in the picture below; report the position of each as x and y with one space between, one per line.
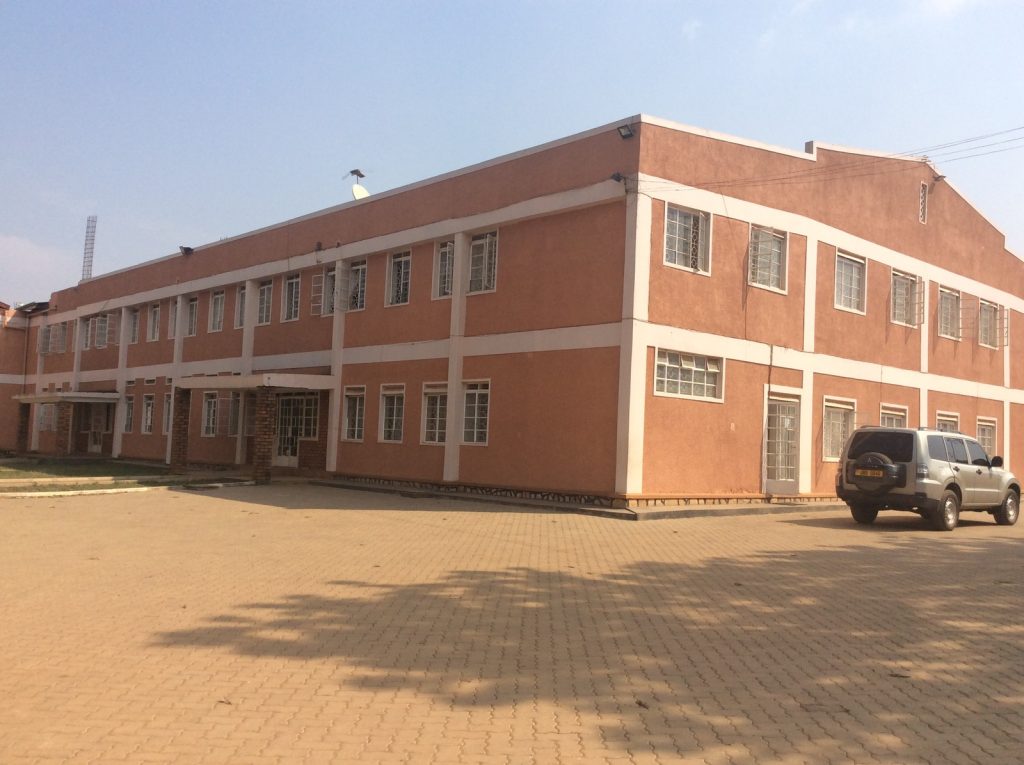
290 299
266 292
355 408
240 307
209 414
850 284
329 287
234 413
193 317
129 413
836 425
987 435
357 286
149 381
47 417
133 325
685 374
483 262
893 416
988 325
172 318
100 323
435 412
949 313
399 267
906 300
686 239
167 413
478 404
148 405
922 208
217 311
309 424
44 340
947 422
445 269
392 412
87 334
767 258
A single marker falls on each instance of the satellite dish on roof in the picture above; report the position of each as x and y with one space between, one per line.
359 192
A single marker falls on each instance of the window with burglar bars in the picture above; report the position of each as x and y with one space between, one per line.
837 423
435 412
477 412
483 262
357 286
216 311
988 324
355 410
392 412
290 298
686 374
321 296
445 269
949 313
686 239
850 282
767 258
399 272
907 299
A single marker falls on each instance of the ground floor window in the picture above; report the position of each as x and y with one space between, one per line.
987 435
893 417
478 404
435 412
148 407
392 412
129 413
209 415
837 424
355 408
686 374
947 422
167 413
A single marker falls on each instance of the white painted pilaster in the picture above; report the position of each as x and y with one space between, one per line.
252 304
457 331
337 362
806 432
121 378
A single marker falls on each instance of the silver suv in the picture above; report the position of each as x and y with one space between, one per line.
932 473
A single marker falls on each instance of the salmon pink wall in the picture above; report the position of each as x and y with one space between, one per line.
964 358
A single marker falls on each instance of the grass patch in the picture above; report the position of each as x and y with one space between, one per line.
30 469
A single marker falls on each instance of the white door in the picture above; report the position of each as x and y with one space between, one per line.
97 424
781 446
289 423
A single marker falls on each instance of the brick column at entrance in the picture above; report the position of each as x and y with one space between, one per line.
179 429
64 412
263 440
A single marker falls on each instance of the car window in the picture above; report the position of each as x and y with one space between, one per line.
899 447
977 454
957 450
937 448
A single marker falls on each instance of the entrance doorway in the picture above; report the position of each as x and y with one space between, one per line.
99 421
289 429
782 446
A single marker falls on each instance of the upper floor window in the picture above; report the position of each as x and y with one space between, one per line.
949 313
445 269
100 329
217 311
290 298
172 318
686 239
399 272
850 282
266 292
988 324
906 299
329 288
767 258
483 262
193 317
133 325
153 328
240 307
357 286
685 374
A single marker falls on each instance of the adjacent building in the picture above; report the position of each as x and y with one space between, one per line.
640 312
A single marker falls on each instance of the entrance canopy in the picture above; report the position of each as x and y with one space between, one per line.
70 397
258 380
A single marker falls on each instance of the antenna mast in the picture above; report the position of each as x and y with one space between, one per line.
90 242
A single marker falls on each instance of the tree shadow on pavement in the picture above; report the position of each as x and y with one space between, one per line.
909 652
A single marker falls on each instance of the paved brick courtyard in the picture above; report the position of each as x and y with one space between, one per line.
298 624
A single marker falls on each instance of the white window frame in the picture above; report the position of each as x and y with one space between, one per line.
291 297
673 255
167 414
436 433
397 392
265 302
483 261
893 411
354 430
240 306
473 391
309 424
755 239
101 327
216 323
393 295
329 290
129 414
153 323
911 309
953 295
988 422
698 363
134 318
209 415
839 296
444 269
148 409
947 418
355 299
848 407
984 305
192 314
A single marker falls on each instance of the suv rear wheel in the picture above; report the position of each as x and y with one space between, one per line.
1007 513
865 514
947 514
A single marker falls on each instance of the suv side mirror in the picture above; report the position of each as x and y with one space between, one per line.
997 462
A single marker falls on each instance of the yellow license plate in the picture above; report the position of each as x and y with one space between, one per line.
868 473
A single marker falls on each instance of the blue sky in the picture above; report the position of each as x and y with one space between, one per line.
185 122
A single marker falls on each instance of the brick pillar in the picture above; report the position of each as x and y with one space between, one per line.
179 429
263 439
24 417
65 409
